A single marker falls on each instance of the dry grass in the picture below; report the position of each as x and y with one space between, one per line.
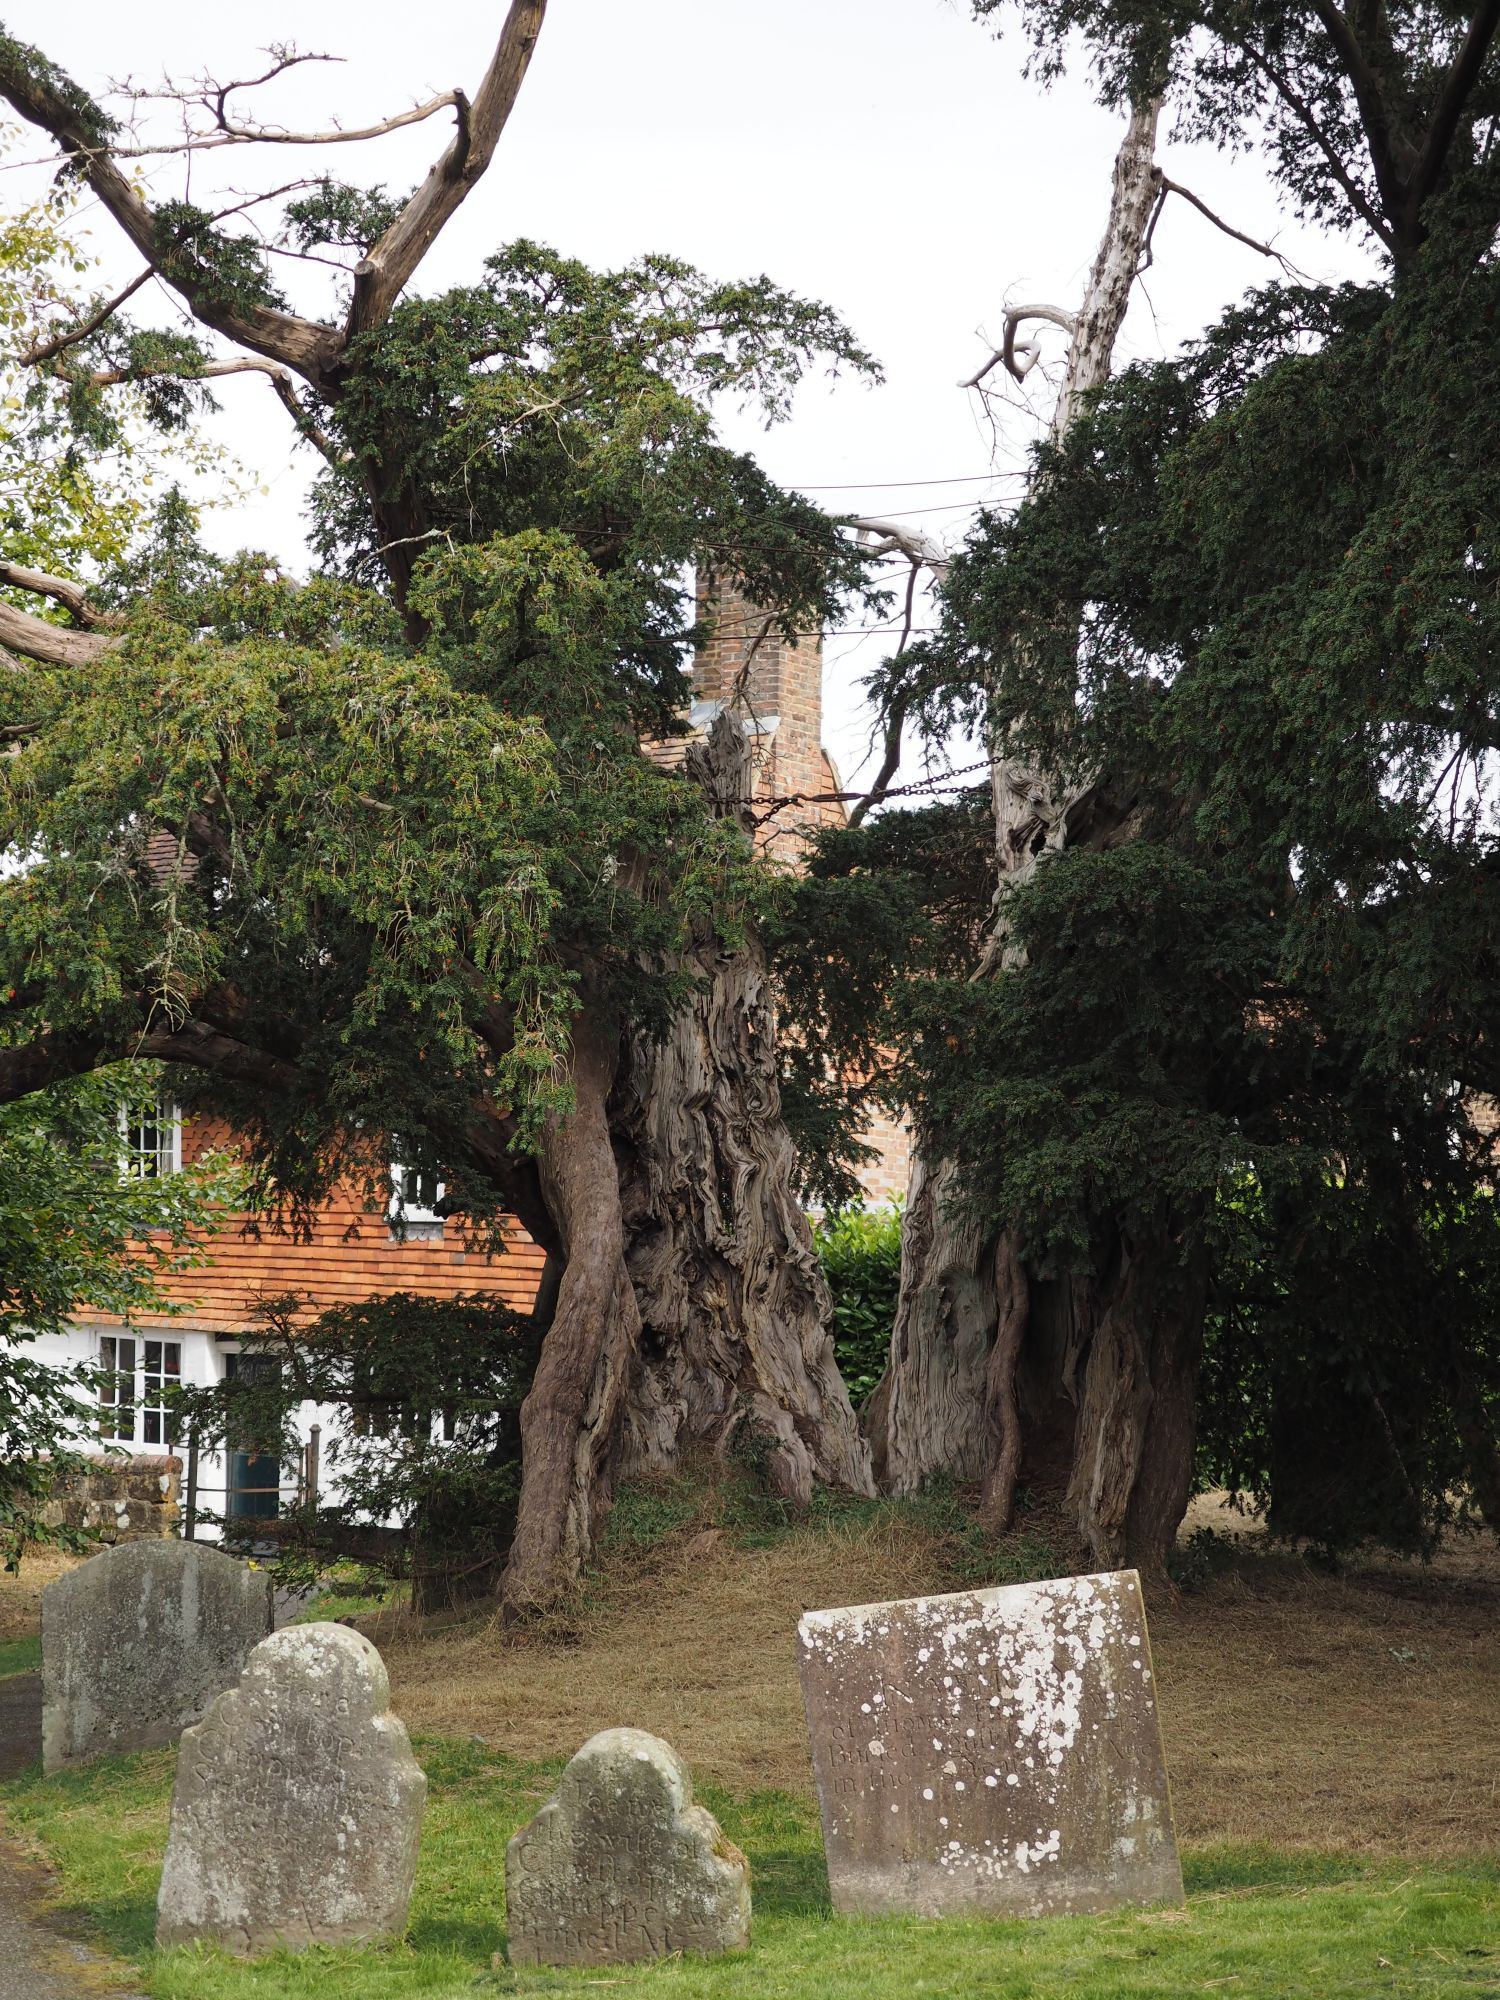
696 1643
21 1595
1300 1710
1356 1711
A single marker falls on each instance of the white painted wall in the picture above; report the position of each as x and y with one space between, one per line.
204 1359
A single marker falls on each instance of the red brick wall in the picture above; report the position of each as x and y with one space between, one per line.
745 660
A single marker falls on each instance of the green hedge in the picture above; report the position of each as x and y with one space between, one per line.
861 1253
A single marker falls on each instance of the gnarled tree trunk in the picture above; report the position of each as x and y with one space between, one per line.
736 1337
1082 1388
688 1308
569 1420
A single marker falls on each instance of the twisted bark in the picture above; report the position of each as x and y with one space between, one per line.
569 1417
736 1339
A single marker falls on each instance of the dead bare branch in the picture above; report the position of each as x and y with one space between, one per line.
54 645
1266 249
883 538
270 135
381 276
895 715
300 344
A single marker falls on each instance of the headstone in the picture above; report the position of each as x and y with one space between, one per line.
298 1804
991 1752
620 1864
137 1642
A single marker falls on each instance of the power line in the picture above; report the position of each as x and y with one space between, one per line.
890 485
947 782
947 507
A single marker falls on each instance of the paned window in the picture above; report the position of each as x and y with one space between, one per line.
415 1195
150 1140
135 1379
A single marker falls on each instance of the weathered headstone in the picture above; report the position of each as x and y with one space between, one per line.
620 1864
137 1642
991 1751
298 1804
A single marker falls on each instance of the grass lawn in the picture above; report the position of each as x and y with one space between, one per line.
20 1656
1257 1923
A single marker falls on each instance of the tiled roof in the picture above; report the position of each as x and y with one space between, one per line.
350 1257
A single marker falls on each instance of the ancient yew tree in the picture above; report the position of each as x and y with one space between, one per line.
428 892
1208 1053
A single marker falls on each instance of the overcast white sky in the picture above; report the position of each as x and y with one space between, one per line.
886 156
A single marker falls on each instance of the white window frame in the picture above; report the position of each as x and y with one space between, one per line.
138 1398
167 1154
426 1222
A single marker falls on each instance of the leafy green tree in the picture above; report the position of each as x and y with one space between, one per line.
425 1458
1244 634
431 899
860 1251
75 1231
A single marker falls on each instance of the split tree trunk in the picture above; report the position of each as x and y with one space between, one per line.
1083 1389
736 1345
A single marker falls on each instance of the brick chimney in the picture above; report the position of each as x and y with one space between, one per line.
776 685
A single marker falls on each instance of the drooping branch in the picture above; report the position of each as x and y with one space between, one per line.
51 1057
1169 186
895 714
201 1045
214 371
381 276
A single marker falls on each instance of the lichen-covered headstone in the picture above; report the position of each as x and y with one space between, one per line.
620 1864
298 1804
139 1640
991 1751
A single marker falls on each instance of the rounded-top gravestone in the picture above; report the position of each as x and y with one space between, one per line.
139 1640
620 1864
298 1804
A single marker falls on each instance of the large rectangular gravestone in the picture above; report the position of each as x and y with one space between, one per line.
992 1751
139 1640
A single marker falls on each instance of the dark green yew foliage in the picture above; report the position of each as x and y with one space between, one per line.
412 840
880 911
1256 598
